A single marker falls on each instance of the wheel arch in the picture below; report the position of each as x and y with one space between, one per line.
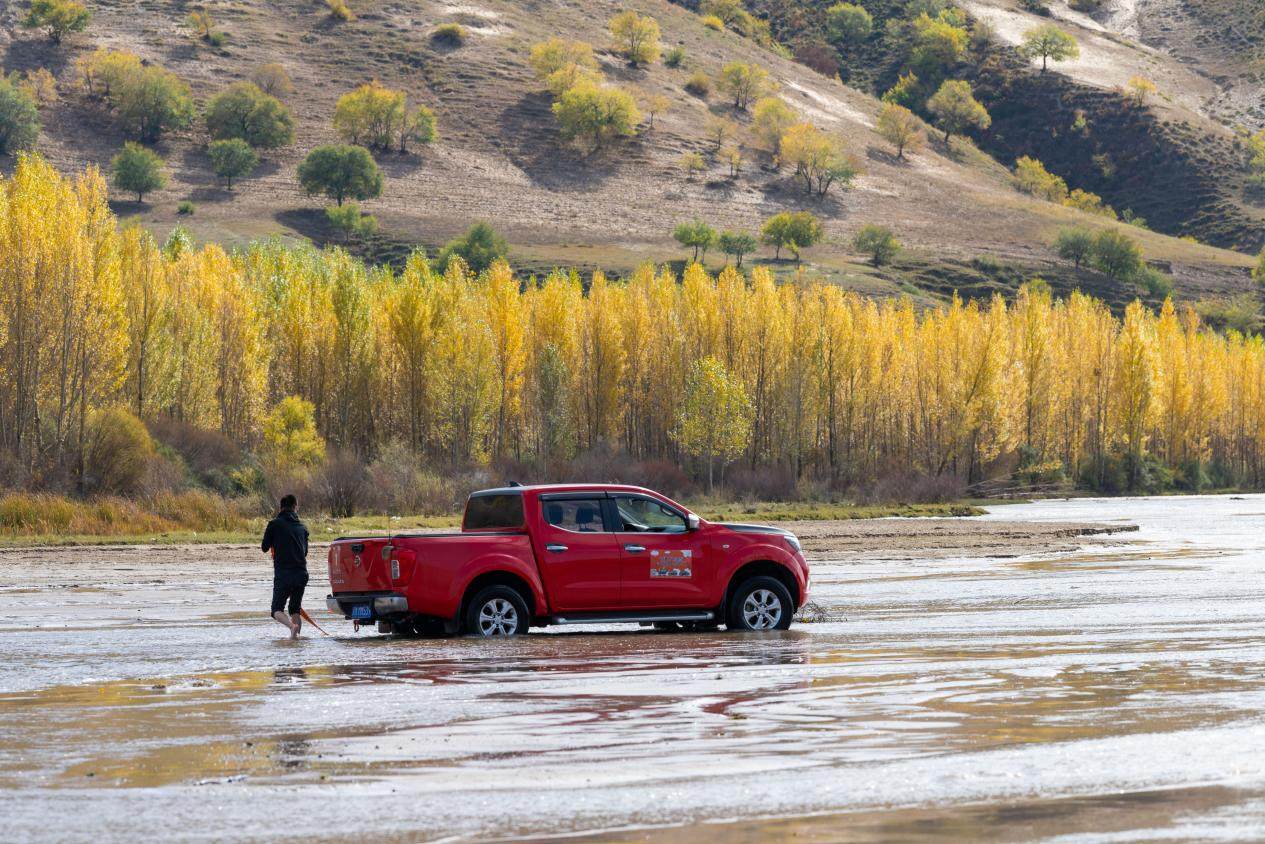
499 577
761 568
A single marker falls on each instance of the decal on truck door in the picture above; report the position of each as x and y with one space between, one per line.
671 563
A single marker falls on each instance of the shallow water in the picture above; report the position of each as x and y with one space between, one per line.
1112 693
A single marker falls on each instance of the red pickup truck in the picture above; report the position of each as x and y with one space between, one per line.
571 554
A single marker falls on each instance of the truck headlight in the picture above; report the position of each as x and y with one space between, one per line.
793 541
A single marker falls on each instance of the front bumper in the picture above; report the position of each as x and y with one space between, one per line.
383 605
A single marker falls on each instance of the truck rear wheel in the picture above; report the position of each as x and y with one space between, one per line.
761 603
496 611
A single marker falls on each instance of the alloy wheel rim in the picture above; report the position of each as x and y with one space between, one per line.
498 617
762 610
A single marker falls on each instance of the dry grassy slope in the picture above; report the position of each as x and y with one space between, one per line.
498 157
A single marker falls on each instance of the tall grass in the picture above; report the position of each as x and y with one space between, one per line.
42 514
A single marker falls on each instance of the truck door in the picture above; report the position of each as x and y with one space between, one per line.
579 558
663 564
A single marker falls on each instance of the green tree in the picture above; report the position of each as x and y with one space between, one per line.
1031 177
151 100
849 24
290 439
793 230
636 37
1047 42
597 113
1258 272
716 416
340 171
940 43
232 159
770 118
737 244
957 109
19 118
697 234
1116 254
349 220
878 242
371 115
138 170
1075 244
479 247
244 111
560 63
743 82
419 127
57 18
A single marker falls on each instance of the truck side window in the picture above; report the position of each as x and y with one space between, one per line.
645 515
578 515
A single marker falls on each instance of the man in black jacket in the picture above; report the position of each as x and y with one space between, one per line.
286 537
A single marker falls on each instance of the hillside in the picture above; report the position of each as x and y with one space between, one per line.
498 157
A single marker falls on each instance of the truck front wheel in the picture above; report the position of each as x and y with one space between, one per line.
761 603
496 611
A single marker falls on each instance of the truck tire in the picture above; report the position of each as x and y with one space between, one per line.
496 611
760 603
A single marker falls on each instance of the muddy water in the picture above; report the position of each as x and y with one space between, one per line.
1030 688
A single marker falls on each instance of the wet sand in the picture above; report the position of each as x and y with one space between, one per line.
1017 677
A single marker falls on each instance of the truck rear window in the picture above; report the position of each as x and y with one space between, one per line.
494 512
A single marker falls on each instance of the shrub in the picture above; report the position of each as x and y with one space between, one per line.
636 37
420 127
351 222
117 451
138 170
339 10
1157 284
1258 272
713 22
560 64
373 115
341 172
19 118
1031 177
693 163
232 159
878 242
737 244
41 86
849 24
1074 244
150 100
699 84
203 450
1116 254
479 247
341 485
244 111
273 80
674 57
770 118
217 39
597 113
57 17
185 208
451 34
819 159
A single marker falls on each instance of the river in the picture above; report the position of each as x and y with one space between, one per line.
1111 692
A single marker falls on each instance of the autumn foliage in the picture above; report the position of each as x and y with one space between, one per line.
462 368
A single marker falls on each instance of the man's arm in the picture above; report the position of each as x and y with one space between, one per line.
266 544
306 536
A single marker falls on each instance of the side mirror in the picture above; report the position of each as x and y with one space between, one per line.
691 521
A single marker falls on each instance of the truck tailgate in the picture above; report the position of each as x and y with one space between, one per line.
360 565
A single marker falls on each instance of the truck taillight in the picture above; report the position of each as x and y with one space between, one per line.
402 563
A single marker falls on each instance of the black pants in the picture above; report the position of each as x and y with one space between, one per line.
288 587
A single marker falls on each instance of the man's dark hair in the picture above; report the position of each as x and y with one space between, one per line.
289 502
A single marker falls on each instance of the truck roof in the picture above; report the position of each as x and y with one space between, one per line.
518 490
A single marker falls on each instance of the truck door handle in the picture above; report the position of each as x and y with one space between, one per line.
556 548
634 549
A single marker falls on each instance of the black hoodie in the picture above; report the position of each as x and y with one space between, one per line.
286 537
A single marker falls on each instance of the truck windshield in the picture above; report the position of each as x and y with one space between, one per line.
494 512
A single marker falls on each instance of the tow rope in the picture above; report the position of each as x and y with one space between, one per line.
303 614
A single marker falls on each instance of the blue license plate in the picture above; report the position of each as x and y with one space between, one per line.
361 611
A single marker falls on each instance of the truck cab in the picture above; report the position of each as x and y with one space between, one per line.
571 554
